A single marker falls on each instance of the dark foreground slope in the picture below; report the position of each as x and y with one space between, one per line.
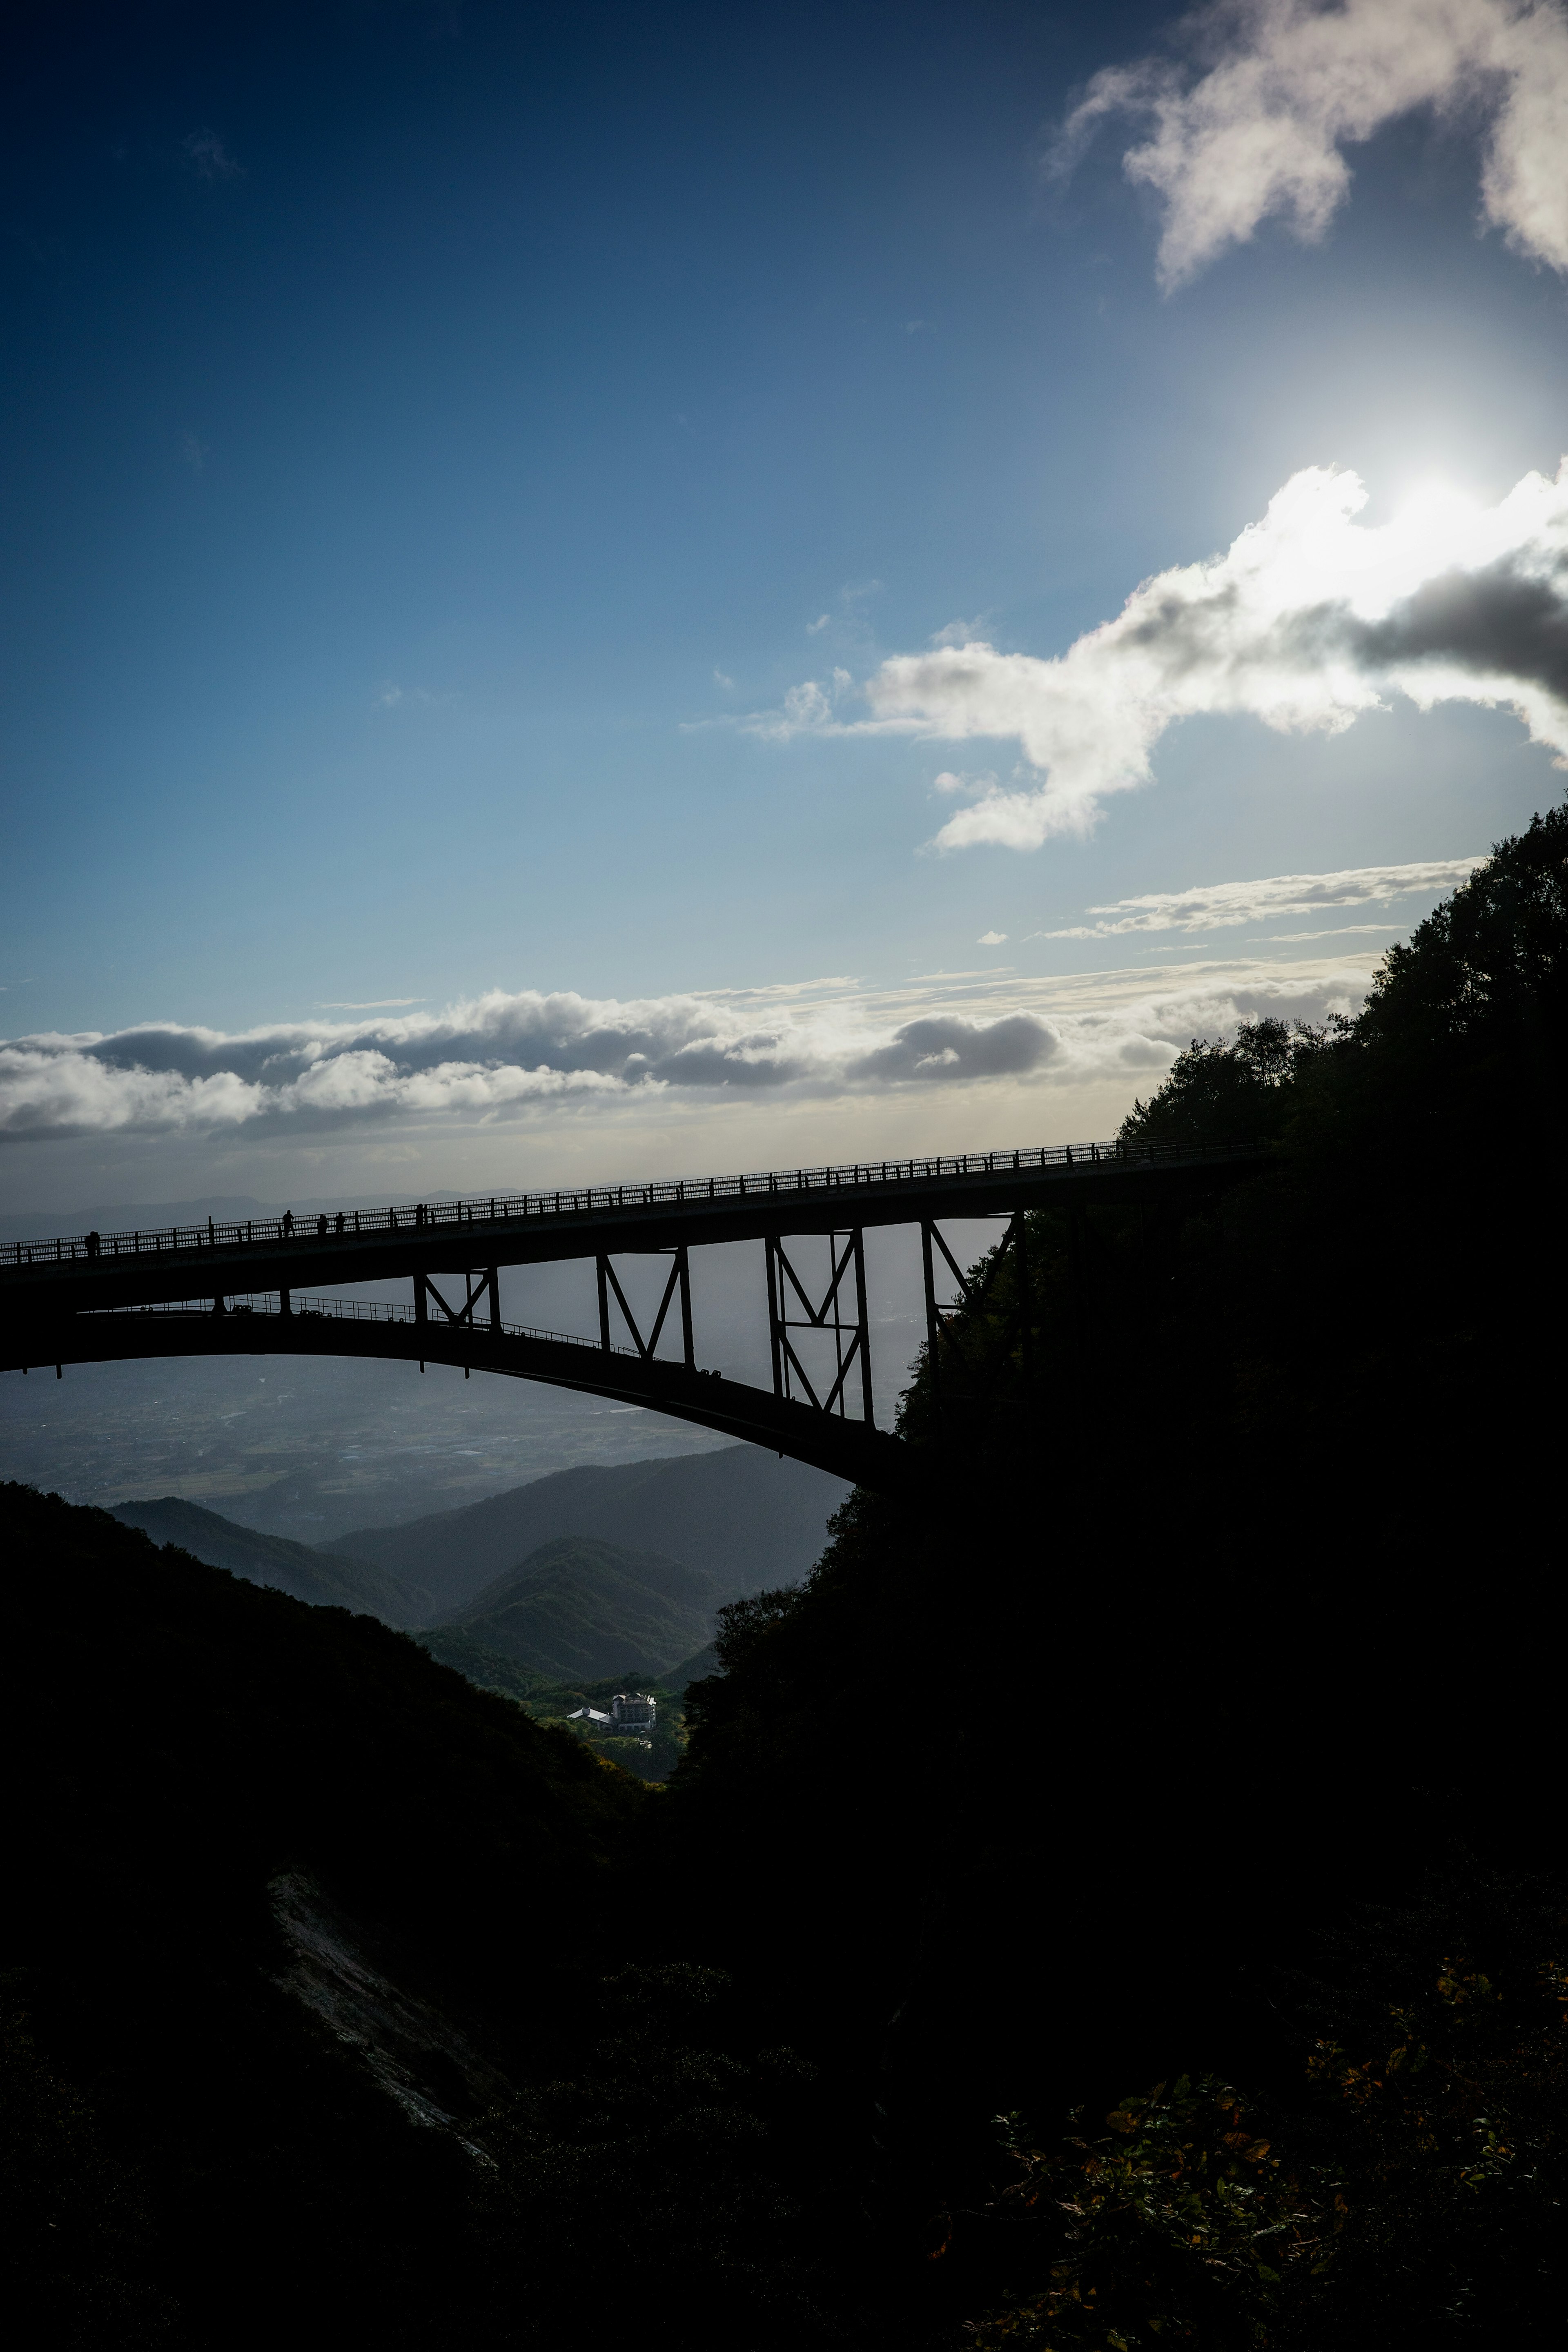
211 1788
744 1517
324 1580
1230 1623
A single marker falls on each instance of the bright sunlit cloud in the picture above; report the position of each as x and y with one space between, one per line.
1307 621
497 1060
1289 86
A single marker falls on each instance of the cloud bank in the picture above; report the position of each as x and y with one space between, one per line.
502 1056
1259 132
1214 906
1306 621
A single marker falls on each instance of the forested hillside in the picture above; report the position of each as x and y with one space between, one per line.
278 1883
1228 1608
324 1579
576 1609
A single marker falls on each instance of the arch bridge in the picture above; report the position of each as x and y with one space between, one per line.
255 1287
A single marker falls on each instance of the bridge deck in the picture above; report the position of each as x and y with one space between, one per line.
79 1272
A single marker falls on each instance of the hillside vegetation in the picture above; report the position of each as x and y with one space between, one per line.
191 2154
576 1608
1226 1611
323 1580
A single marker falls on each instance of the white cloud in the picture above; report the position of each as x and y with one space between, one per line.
990 939
1290 85
501 1057
814 628
1339 931
1304 623
1214 906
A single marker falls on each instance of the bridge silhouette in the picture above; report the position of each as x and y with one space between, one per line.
252 1287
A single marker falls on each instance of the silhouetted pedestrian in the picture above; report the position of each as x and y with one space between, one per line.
289 1221
92 1245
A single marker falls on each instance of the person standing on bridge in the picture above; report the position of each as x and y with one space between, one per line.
339 1220
92 1245
289 1222
322 1228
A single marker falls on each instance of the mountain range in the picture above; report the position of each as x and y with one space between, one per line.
325 1580
576 1610
744 1517
585 1574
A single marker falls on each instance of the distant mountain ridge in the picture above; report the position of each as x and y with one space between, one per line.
744 1516
577 1609
322 1580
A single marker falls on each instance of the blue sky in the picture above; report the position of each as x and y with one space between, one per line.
440 438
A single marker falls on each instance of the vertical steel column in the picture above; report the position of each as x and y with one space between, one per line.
933 1328
865 1327
604 1305
769 1245
683 1262
492 1283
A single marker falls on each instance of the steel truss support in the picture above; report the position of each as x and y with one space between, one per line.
479 1283
680 1282
829 1316
973 1296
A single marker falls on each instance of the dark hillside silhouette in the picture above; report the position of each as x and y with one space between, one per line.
1239 1608
189 2155
339 1582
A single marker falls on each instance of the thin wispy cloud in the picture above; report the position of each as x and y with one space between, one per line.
501 1057
1218 906
1339 931
1256 127
209 158
1309 620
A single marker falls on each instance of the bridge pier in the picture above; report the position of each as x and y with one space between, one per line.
828 1317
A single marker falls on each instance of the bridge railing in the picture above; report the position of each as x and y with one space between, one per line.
499 1208
268 1304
